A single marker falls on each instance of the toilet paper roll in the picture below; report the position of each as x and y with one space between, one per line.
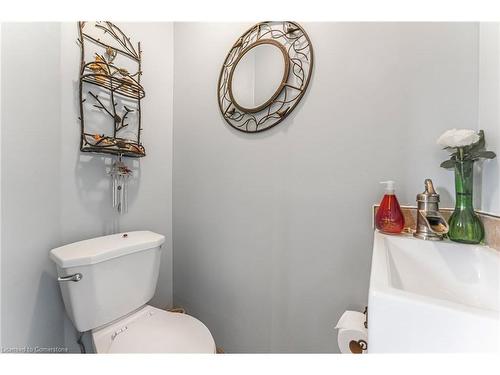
352 336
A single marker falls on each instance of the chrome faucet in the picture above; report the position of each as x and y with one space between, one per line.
431 225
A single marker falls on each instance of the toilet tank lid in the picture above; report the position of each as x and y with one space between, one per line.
100 249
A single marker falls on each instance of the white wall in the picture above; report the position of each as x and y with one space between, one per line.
272 231
489 113
51 193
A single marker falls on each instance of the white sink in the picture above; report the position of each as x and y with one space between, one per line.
428 296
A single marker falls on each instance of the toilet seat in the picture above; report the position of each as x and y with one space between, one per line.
152 330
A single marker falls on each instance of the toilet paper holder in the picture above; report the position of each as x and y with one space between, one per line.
353 331
357 347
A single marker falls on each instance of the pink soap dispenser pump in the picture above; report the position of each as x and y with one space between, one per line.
389 217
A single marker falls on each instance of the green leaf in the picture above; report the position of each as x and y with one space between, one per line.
448 164
484 155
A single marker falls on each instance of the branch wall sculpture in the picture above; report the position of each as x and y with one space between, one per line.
292 39
110 88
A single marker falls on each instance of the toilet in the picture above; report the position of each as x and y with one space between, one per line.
106 283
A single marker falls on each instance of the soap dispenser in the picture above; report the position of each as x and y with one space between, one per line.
389 217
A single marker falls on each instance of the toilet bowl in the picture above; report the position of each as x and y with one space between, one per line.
106 283
151 330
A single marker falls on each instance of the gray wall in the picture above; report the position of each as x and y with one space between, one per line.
0 184
272 231
489 114
51 193
85 187
32 311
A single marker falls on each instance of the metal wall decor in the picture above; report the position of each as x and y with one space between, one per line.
110 100
295 45
110 91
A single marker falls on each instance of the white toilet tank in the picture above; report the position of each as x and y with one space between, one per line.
115 275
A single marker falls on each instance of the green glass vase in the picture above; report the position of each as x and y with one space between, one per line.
465 225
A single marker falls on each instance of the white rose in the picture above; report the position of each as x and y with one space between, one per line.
458 138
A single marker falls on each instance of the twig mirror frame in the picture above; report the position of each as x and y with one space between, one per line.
295 45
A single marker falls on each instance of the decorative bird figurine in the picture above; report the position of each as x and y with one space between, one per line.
123 72
107 141
111 53
98 68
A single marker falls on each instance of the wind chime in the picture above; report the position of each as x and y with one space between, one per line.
120 174
110 100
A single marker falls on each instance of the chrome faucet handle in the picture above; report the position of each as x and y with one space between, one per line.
429 194
429 186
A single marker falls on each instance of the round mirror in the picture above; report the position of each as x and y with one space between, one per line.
265 75
258 75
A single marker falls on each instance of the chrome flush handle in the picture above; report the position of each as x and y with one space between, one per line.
76 277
